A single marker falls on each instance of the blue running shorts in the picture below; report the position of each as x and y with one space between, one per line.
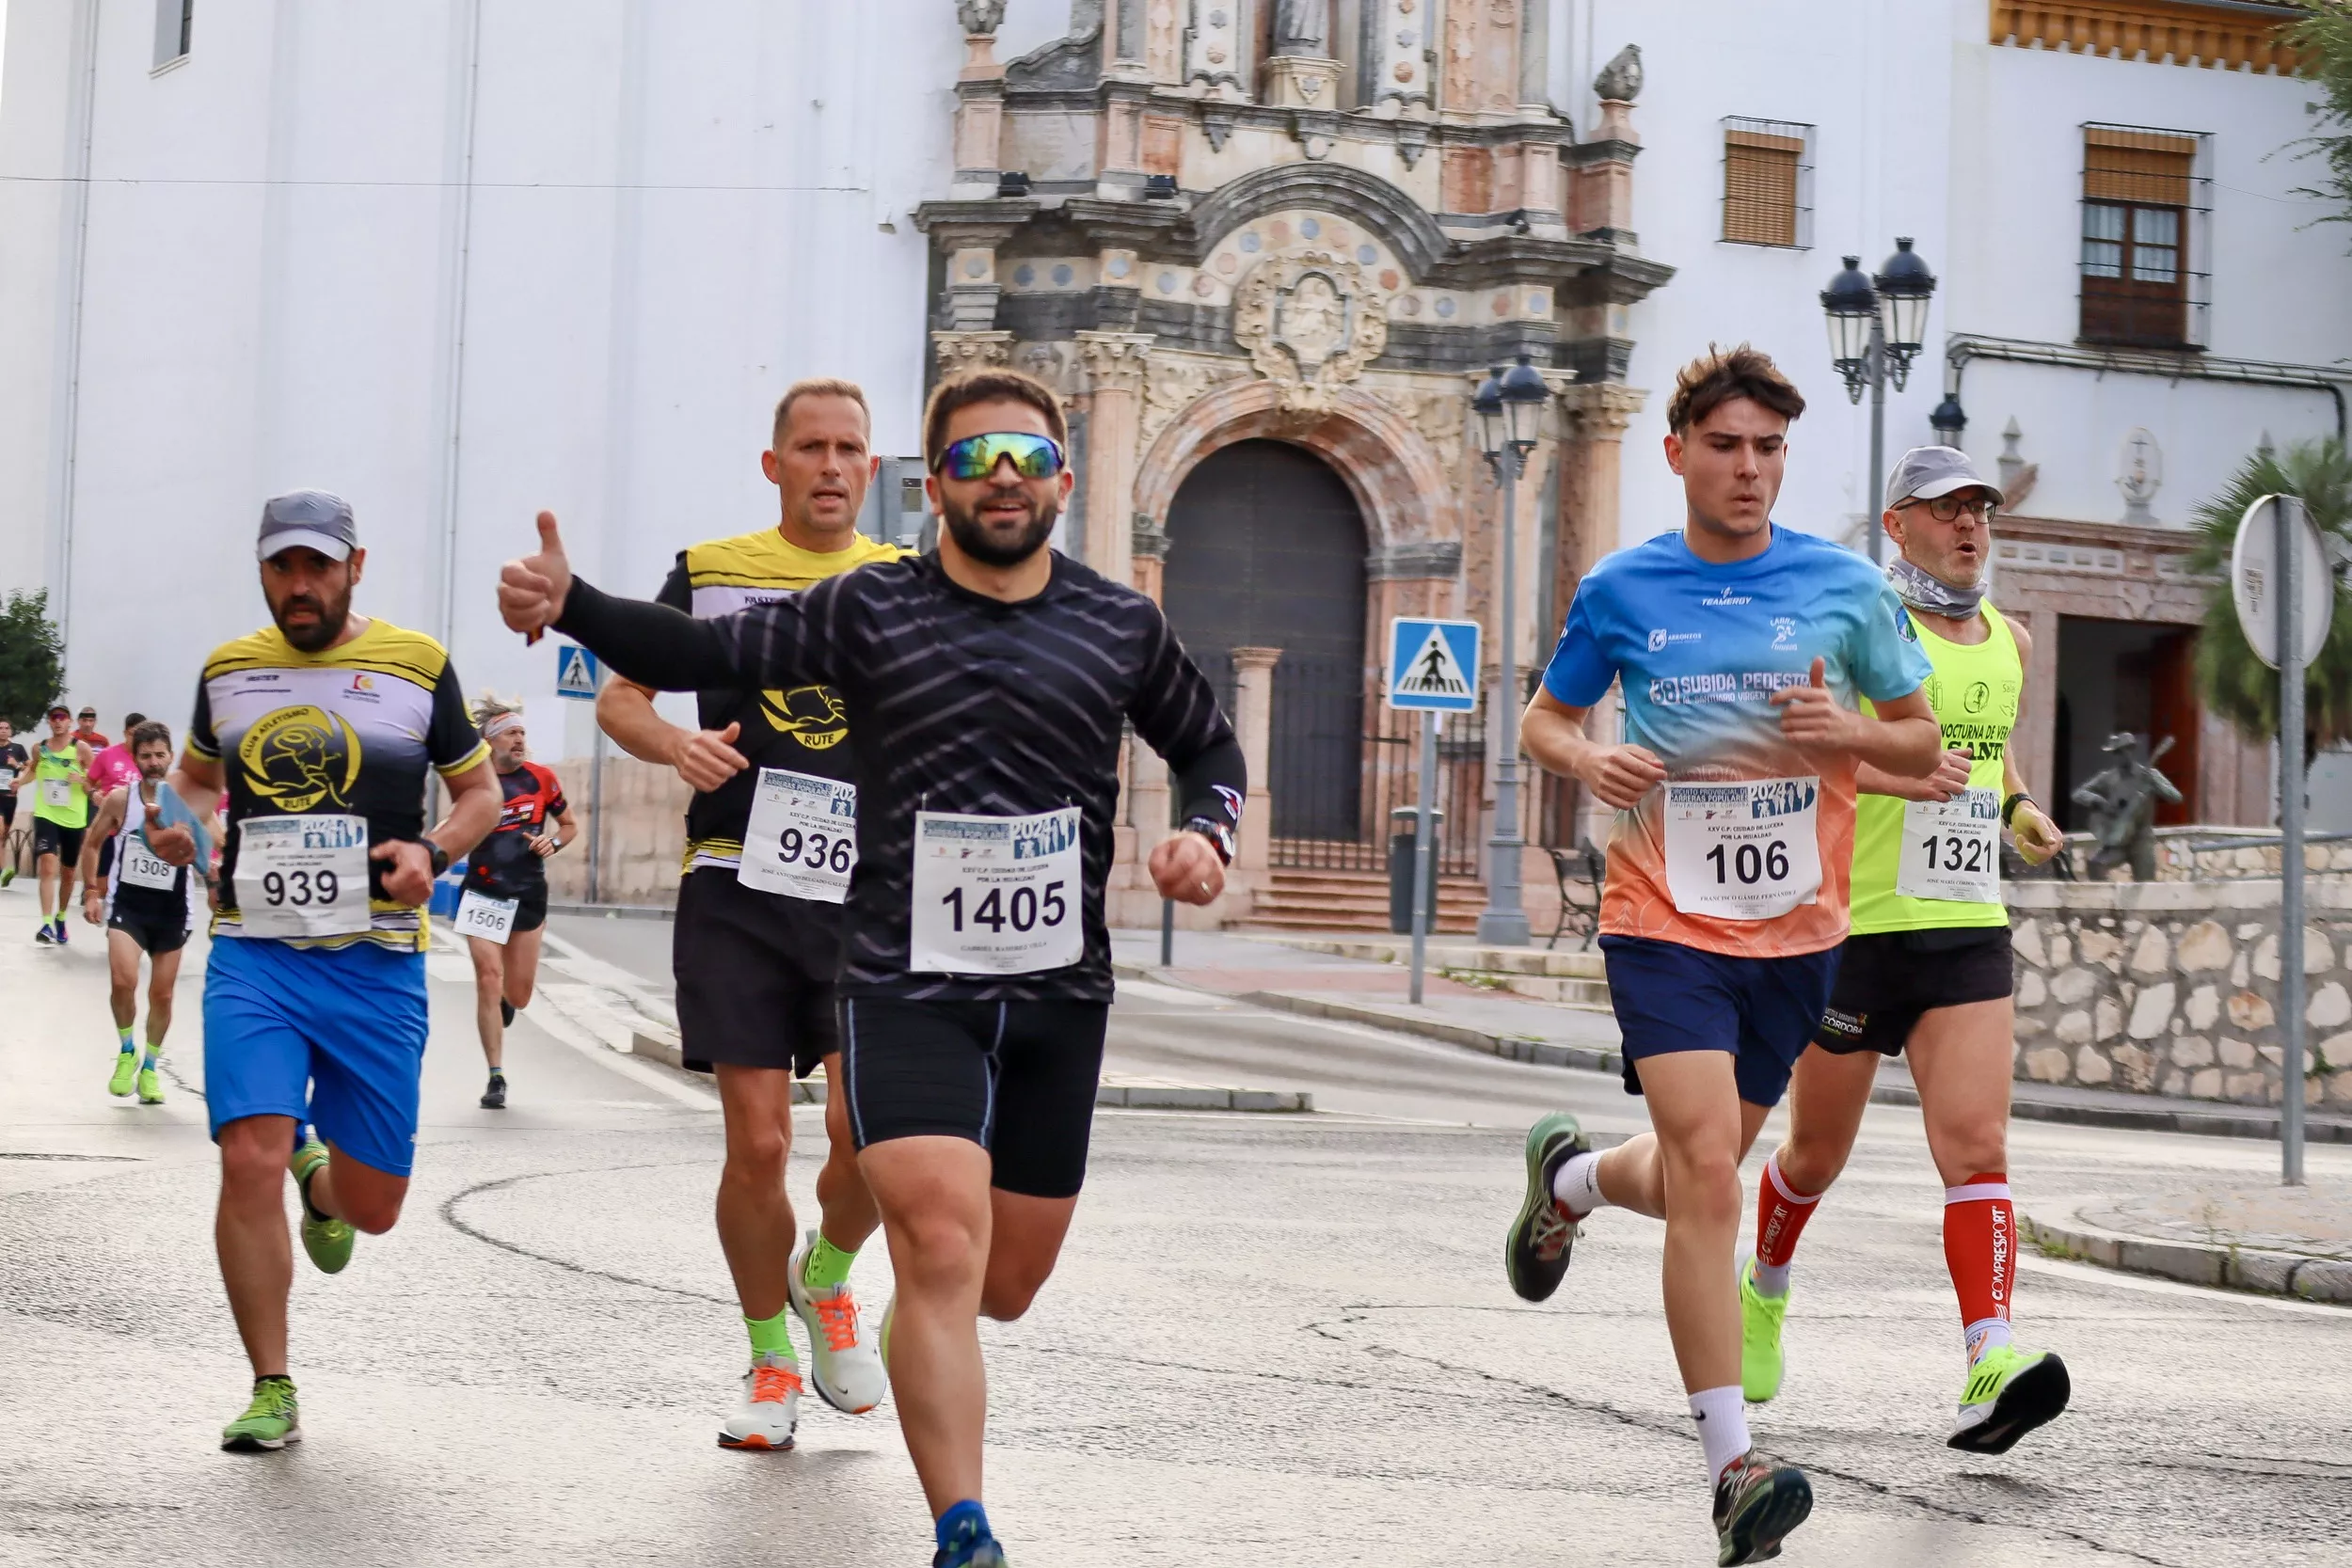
331 1036
1765 1011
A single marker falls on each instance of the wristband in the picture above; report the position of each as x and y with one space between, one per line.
2009 807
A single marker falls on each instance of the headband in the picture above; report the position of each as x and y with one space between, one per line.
497 725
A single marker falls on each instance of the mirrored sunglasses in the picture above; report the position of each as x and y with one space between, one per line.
976 456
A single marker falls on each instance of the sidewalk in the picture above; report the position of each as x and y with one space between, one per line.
2277 1241
1274 974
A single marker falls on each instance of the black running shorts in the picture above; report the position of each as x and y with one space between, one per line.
8 810
531 905
754 976
1887 980
1017 1078
54 838
155 937
106 857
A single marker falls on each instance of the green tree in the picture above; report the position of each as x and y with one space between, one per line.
2324 37
32 660
2233 683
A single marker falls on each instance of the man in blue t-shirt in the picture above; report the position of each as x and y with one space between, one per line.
1740 649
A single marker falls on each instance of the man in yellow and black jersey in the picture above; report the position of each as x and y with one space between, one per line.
771 835
321 729
1927 970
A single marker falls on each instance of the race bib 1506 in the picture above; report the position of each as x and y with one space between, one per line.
801 841
302 876
995 895
1743 848
480 915
1951 848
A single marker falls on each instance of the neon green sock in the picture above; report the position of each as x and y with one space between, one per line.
773 1337
826 1266
155 1053
123 1031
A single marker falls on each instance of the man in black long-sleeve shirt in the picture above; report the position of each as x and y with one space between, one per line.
990 684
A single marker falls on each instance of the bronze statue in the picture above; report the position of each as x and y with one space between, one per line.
2123 806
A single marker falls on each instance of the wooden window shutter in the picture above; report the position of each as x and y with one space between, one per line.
2147 167
1761 187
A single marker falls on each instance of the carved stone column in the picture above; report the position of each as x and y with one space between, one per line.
1253 718
1214 52
1481 60
979 105
1592 457
1164 39
1114 370
1399 37
1602 205
971 351
1148 540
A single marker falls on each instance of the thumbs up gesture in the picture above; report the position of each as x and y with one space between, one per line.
1810 716
532 590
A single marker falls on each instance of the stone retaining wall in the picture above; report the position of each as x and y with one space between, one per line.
2171 988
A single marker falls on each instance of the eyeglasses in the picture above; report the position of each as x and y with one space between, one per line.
976 456
1947 509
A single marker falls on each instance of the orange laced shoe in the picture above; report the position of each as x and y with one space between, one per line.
771 1409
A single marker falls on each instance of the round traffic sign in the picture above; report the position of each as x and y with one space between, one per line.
2254 578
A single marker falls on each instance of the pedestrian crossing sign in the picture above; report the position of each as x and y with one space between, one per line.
575 672
1433 665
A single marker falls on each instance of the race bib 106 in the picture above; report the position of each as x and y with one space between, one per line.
1743 848
1951 849
995 895
302 876
801 841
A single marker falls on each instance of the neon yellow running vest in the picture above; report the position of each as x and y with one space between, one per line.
50 769
1974 692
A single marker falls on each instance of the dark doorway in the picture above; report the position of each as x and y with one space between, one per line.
2125 676
1265 549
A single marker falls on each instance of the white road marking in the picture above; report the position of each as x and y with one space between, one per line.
2091 1273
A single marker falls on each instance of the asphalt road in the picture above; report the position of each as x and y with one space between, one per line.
1274 1340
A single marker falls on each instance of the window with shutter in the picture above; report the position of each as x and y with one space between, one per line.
2141 188
1768 170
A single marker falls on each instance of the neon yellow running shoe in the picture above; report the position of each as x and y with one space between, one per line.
1760 1316
2009 1392
151 1087
327 1241
126 1066
269 1423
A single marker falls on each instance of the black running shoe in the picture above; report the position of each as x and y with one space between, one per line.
1757 1503
2009 1393
1537 1255
494 1098
506 1012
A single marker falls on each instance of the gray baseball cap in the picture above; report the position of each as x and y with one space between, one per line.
1924 473
309 519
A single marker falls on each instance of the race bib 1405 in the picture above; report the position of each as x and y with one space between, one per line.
995 895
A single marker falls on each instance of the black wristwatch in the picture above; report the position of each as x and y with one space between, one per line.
1216 833
2009 807
440 856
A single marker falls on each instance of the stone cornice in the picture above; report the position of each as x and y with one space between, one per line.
2231 34
1367 199
977 225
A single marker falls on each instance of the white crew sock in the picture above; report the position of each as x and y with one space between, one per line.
1722 1419
1577 1185
1983 1336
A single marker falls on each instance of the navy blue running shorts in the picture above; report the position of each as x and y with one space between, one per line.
1765 1011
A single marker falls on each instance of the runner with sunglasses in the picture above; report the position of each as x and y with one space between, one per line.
1928 966
770 842
988 682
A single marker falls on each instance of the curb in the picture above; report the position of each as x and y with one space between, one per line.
1516 1047
2275 1273
1121 1097
615 911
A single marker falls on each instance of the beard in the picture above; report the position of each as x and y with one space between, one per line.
999 544
320 634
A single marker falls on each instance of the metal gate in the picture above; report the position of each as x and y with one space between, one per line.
1341 763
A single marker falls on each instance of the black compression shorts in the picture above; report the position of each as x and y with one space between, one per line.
155 937
754 976
53 838
1887 980
1017 1078
8 810
531 905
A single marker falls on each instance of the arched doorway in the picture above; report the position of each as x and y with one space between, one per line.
1265 549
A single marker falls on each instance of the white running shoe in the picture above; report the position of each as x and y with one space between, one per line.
771 1409
844 1358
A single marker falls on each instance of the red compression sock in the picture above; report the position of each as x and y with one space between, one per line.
1781 1211
1980 1249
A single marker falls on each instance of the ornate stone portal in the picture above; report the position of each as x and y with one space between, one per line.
1193 268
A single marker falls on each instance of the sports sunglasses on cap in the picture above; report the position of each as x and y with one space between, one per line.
976 456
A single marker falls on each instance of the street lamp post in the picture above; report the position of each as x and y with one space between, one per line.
1510 408
1877 326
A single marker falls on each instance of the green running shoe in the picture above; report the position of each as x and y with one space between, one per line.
327 1241
1757 1504
151 1087
1535 1255
126 1066
1760 1316
2010 1393
269 1423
